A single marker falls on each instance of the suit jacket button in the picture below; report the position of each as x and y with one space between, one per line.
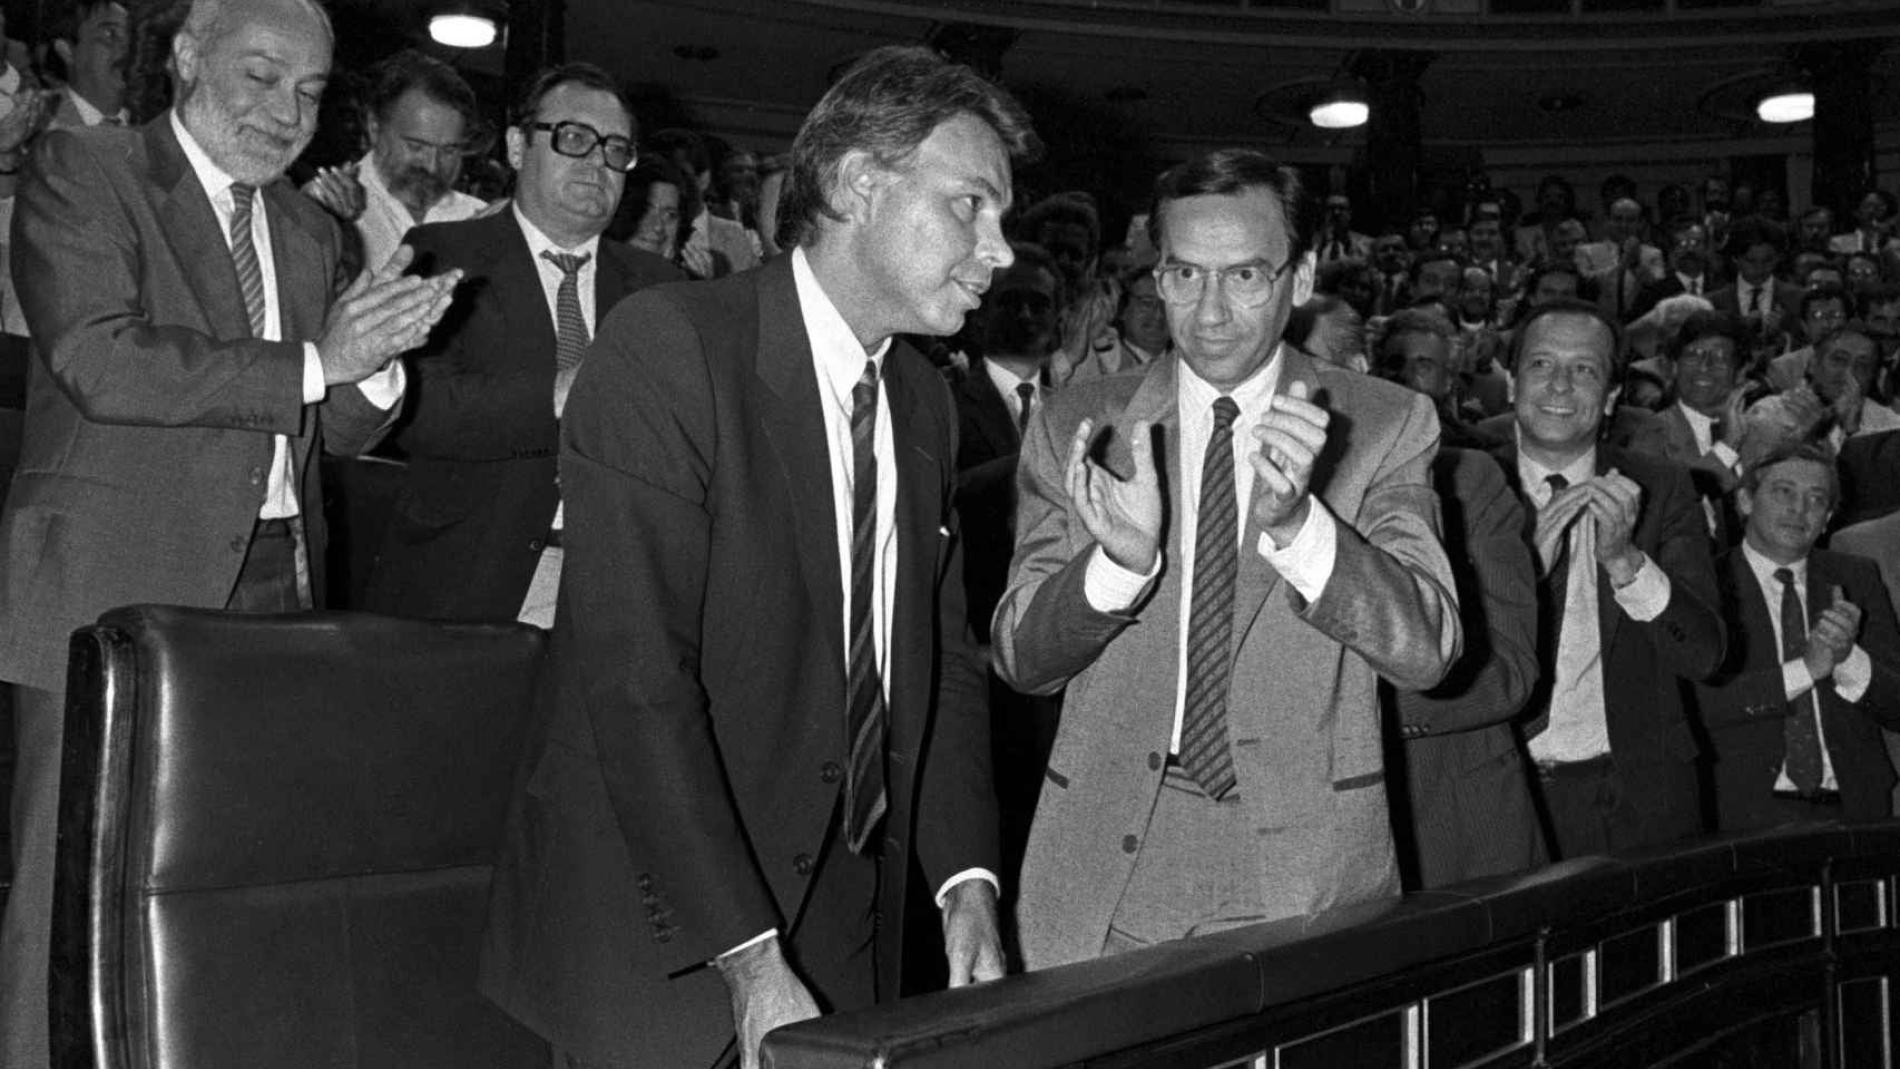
802 864
535 545
1154 762
831 773
238 544
1130 844
257 476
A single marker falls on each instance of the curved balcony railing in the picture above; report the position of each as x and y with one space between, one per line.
1776 949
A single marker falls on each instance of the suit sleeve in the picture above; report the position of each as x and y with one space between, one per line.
1390 598
1879 637
1688 634
1497 596
1045 631
636 470
81 276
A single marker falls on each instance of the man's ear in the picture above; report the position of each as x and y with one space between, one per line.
1609 400
517 144
860 179
64 50
185 56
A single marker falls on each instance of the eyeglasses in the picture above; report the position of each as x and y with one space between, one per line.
577 139
1247 285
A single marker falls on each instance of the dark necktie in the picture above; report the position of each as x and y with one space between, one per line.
1555 567
865 728
1800 735
1204 751
570 326
244 255
1026 394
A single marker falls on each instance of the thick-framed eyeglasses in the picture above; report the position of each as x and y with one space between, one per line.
1247 284
577 139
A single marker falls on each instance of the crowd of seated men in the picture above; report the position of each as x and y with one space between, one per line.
1559 533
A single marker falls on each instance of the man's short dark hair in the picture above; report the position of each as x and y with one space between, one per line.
1586 309
1429 321
1437 254
887 104
1825 292
1754 231
1030 254
528 105
1073 209
1230 171
410 69
1795 449
1710 323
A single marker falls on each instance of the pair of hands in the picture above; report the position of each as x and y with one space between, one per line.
1124 516
339 190
1612 501
383 314
1831 638
767 993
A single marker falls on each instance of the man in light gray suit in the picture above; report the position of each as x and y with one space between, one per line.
1879 541
1221 628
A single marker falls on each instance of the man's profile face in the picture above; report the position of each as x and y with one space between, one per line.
739 173
1224 341
1563 387
575 194
1423 363
418 148
1705 373
1019 312
251 94
932 229
99 48
1788 509
1850 355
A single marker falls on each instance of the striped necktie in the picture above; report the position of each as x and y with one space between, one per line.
570 327
1204 750
1800 736
865 726
244 255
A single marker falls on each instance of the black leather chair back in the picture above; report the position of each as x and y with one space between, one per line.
275 841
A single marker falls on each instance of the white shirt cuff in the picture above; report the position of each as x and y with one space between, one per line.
1109 587
1307 561
1795 680
1647 595
1728 457
769 933
384 388
1853 676
313 387
969 874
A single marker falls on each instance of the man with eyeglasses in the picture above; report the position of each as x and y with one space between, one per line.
1824 308
1220 576
475 533
421 115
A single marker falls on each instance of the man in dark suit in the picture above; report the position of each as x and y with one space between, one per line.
1688 268
1628 600
764 705
1813 669
476 529
1757 295
192 356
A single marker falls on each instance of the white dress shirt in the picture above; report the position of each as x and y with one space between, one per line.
1578 728
90 113
1852 676
385 219
1306 562
1745 296
1691 284
383 389
838 361
1006 382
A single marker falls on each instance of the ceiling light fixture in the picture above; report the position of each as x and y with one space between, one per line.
1786 105
1341 109
463 28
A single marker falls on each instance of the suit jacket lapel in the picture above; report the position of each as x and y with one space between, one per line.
298 260
1152 696
792 415
514 275
191 228
921 482
992 411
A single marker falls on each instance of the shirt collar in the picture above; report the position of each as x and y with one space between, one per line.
212 177
1532 474
835 348
1764 568
1006 380
1701 423
89 113
1198 395
539 242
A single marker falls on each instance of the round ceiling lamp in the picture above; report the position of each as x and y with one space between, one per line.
463 29
1342 109
1786 106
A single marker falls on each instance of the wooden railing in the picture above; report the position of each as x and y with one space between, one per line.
1777 949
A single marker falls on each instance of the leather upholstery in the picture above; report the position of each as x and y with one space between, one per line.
276 838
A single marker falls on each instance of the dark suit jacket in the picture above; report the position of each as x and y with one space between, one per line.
1469 803
1787 300
1869 465
987 446
691 767
479 431
150 408
1655 293
1746 707
1647 664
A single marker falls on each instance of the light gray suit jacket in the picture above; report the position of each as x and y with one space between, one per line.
1304 709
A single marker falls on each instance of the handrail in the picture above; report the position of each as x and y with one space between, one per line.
1600 961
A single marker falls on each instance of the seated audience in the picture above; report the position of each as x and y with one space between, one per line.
1823 310
653 208
1841 374
712 247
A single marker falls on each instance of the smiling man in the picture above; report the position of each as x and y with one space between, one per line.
1219 759
758 479
1813 670
1628 598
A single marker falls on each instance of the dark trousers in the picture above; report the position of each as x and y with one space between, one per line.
268 582
1588 807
